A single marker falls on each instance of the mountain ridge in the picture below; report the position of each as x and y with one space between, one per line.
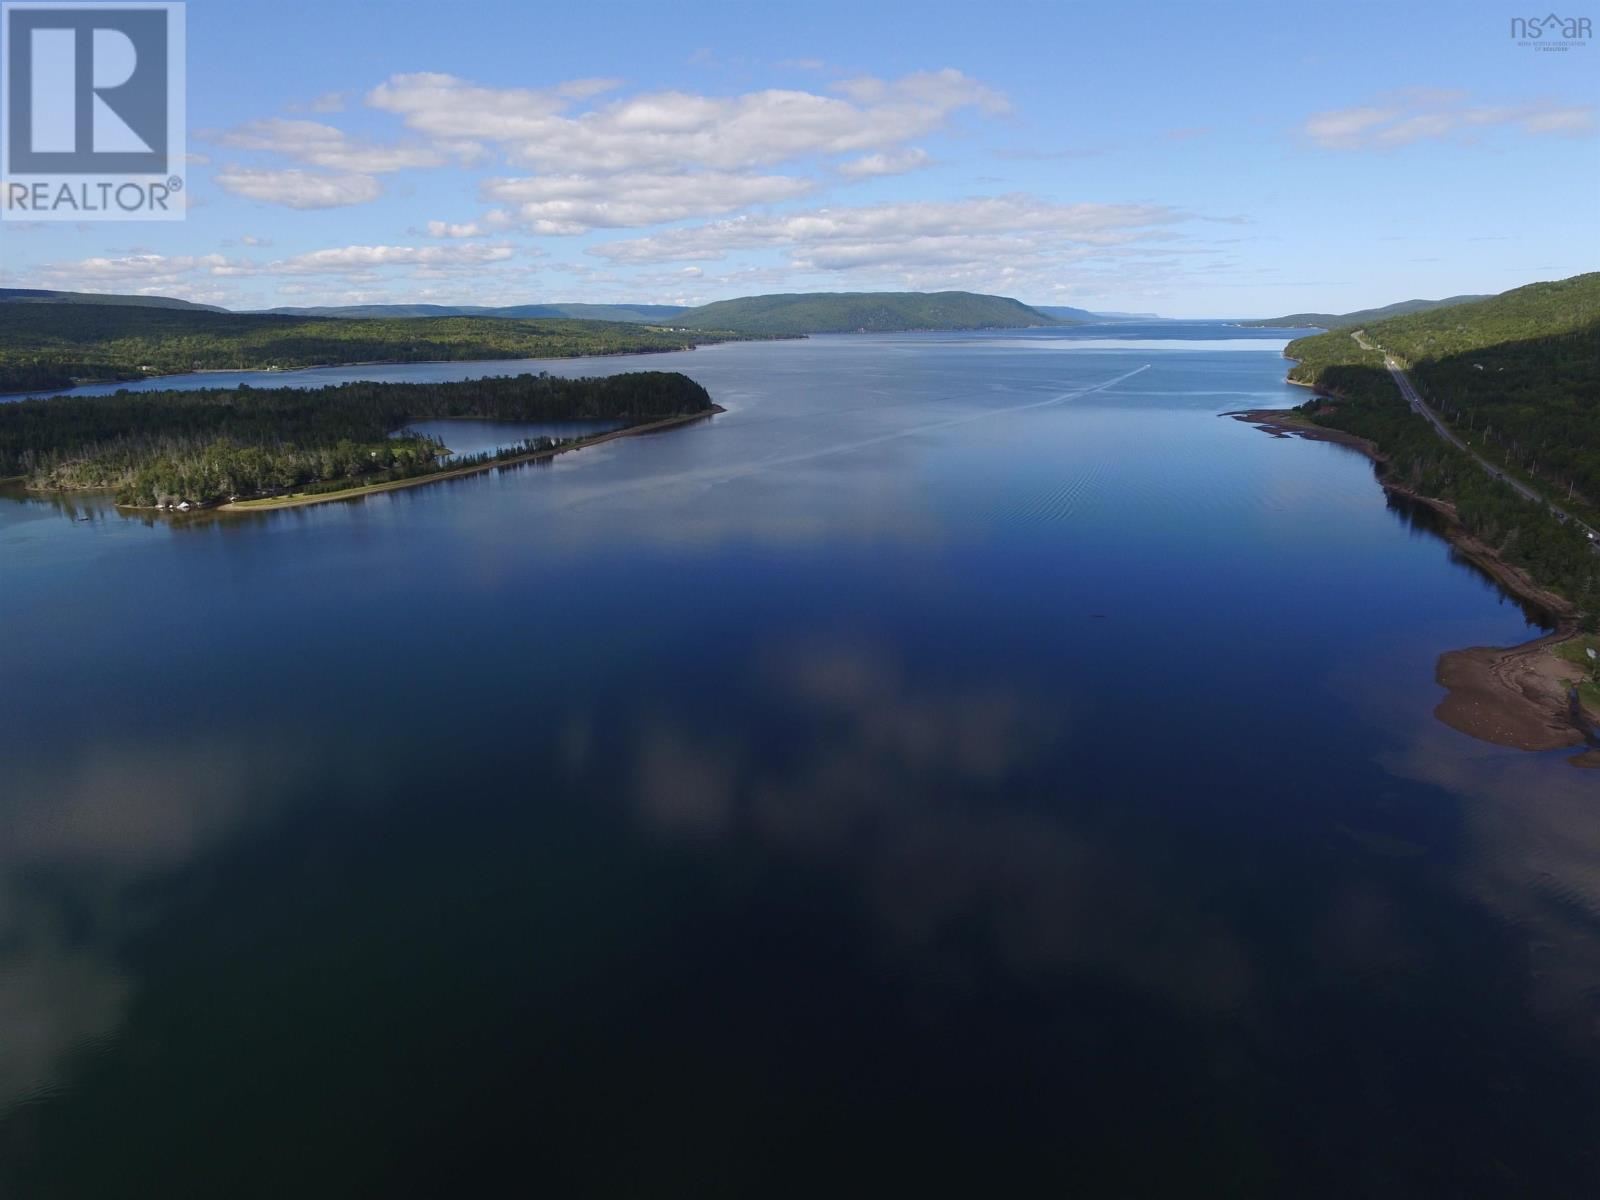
1401 308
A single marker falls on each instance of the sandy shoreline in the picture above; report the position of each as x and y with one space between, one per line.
300 501
1515 696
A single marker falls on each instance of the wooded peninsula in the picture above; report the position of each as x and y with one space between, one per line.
200 447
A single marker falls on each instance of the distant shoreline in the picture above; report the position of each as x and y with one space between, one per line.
49 393
269 503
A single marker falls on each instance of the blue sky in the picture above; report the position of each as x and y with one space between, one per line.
1202 160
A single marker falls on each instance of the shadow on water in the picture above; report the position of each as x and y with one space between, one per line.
1422 519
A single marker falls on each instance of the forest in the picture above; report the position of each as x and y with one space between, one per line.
44 347
206 445
1518 377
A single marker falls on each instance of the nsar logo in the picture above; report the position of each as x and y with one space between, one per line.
1551 32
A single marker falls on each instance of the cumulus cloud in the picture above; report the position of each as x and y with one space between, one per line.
601 163
894 163
469 229
1009 244
325 146
340 259
295 188
155 273
677 131
920 231
571 204
1434 115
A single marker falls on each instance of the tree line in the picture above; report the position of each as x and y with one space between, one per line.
1532 400
1517 376
46 347
208 444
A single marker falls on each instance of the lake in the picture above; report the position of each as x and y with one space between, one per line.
968 761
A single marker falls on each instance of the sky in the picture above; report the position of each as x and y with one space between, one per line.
1207 160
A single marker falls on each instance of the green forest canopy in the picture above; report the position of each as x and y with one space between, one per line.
1518 376
206 444
45 346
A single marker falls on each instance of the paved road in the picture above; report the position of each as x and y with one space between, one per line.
1421 406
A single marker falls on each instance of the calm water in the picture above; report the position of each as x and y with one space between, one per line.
466 437
968 760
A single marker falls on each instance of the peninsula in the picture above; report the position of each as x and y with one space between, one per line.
268 447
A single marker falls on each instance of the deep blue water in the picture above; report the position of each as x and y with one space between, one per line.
967 761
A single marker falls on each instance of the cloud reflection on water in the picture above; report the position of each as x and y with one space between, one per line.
923 795
76 843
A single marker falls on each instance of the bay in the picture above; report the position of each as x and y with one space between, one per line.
968 759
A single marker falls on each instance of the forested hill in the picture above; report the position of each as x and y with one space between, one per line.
1532 313
47 346
1517 376
45 296
871 312
636 314
1360 317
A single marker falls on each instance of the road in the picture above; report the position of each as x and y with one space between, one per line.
1421 406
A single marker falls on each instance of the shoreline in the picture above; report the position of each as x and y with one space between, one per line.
1509 696
375 362
302 500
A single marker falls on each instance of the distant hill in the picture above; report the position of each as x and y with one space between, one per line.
1360 317
41 296
870 312
44 346
800 313
637 314
1523 315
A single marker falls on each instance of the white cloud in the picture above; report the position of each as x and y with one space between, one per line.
1014 245
571 204
894 163
158 273
342 259
456 229
677 131
324 146
143 272
295 188
912 230
1434 115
